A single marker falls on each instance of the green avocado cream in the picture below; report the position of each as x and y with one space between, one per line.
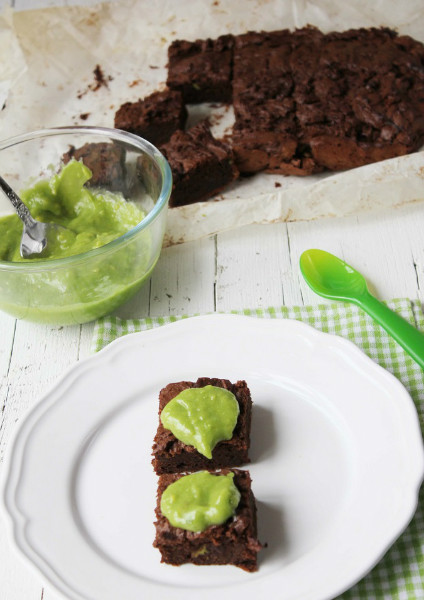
197 501
202 417
90 218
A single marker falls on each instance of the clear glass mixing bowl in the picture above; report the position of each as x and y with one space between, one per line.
86 286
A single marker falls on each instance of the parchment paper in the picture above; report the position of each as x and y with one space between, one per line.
48 57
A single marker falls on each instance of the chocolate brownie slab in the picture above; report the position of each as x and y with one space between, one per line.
201 70
360 107
170 455
234 542
332 101
154 118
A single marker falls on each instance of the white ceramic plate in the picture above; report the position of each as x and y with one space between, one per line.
337 460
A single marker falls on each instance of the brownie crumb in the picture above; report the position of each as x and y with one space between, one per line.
276 184
100 79
84 116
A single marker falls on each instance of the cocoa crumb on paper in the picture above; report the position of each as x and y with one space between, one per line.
92 19
153 67
84 116
276 184
100 80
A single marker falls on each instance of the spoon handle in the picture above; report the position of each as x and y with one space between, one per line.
411 340
20 207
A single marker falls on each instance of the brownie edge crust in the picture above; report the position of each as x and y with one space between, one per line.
170 455
232 543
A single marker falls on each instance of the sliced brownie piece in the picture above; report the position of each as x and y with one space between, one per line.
201 165
232 543
265 133
154 118
261 64
268 140
201 70
105 160
170 455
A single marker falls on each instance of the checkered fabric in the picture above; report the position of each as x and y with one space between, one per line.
400 574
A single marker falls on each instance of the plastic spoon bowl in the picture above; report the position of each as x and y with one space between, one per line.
332 278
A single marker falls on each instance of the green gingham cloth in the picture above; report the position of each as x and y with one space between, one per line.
400 574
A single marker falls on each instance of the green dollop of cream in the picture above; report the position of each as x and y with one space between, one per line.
200 500
202 417
90 217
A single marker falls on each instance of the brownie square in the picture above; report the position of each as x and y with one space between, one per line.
105 160
170 455
261 64
232 543
201 165
155 117
201 70
267 139
265 133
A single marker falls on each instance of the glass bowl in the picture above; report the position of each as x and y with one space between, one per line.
83 287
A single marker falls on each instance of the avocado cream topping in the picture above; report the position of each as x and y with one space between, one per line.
202 417
197 501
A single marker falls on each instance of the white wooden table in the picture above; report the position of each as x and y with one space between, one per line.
256 266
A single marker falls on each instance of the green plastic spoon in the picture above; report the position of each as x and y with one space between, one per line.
332 278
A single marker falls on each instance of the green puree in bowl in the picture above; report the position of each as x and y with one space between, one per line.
90 218
82 287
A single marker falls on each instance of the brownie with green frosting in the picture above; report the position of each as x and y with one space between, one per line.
170 455
234 542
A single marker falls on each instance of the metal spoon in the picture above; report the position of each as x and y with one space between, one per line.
332 278
35 235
